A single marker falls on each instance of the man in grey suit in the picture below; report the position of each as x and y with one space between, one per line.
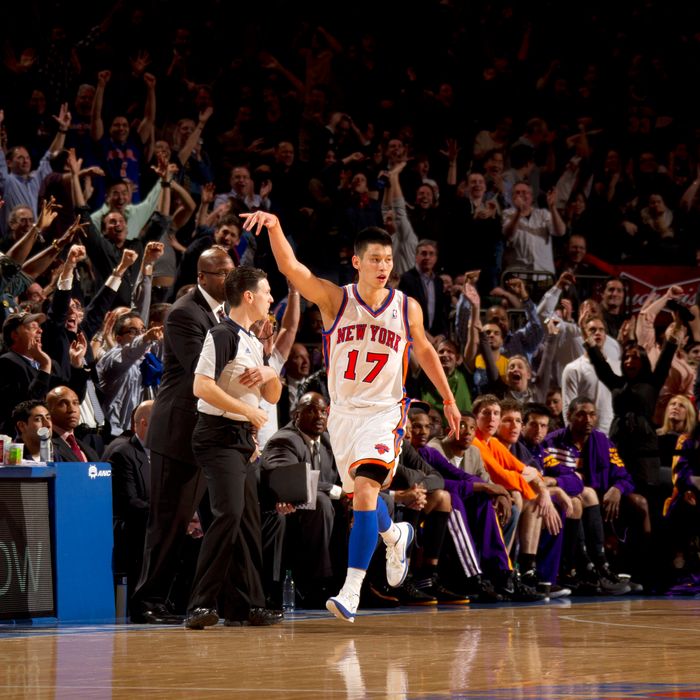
310 531
177 483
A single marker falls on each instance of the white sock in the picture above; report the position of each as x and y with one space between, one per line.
391 536
353 580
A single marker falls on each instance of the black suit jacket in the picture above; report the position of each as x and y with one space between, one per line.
174 412
411 285
288 446
130 503
63 453
130 492
20 381
282 406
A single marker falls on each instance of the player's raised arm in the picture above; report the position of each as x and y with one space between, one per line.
326 295
430 362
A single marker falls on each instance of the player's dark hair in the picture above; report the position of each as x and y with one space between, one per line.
369 235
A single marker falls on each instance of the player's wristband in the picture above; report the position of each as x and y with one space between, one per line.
448 402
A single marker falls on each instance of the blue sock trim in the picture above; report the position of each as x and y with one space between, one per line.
363 539
383 518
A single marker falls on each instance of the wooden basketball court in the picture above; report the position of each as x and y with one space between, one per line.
622 648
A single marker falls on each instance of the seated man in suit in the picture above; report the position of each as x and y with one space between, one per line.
310 531
64 406
131 492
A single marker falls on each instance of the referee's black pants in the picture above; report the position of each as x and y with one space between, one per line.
229 567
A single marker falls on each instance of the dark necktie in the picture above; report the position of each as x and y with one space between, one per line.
221 314
315 456
73 443
146 473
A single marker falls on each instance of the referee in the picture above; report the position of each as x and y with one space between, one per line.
230 379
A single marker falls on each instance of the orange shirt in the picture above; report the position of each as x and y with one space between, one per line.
503 467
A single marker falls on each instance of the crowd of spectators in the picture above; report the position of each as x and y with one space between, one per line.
512 157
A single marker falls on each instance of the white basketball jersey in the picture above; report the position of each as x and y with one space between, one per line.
366 352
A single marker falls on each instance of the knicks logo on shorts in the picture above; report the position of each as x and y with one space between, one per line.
382 449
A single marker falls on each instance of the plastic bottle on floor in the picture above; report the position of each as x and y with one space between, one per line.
288 593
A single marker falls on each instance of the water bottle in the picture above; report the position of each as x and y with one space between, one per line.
288 593
120 605
45 446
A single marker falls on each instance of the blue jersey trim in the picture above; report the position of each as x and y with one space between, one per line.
376 313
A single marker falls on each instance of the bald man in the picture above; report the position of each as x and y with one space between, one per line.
131 494
64 406
177 483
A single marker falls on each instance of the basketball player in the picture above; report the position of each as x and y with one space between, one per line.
369 331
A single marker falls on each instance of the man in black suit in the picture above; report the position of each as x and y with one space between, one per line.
131 493
26 371
64 406
425 286
310 531
177 483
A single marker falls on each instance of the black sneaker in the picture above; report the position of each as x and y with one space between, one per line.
531 579
408 594
515 590
378 596
585 584
526 594
610 583
556 590
481 590
434 588
609 587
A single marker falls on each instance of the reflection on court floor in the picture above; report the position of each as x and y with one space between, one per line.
621 648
